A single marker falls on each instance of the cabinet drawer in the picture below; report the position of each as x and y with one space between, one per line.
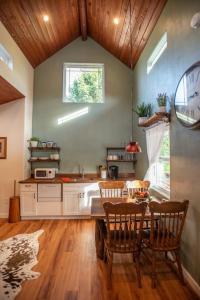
49 190
28 187
74 186
49 199
49 209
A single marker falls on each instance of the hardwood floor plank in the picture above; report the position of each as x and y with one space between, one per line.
70 270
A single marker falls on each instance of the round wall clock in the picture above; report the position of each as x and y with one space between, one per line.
187 98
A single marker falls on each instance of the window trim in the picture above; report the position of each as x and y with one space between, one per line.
64 99
160 192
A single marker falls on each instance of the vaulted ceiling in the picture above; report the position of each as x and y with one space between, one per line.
69 19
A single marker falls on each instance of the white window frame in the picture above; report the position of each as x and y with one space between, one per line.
69 64
159 188
6 57
157 53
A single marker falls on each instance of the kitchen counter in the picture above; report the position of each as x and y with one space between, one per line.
75 179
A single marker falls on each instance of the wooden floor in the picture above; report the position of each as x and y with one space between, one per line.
70 270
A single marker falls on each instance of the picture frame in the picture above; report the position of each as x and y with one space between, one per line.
3 147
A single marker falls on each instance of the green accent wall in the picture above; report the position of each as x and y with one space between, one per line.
83 140
183 50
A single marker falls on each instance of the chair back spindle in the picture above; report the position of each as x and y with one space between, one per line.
111 189
124 225
167 220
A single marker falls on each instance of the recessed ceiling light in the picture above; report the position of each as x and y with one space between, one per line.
46 18
116 21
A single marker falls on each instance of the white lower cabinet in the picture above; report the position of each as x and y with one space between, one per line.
28 200
70 203
75 200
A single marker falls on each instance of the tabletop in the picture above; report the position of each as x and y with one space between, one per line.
97 211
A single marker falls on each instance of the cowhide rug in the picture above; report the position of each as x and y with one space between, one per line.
18 255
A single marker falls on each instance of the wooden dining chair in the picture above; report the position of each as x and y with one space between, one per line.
126 234
111 189
167 221
137 186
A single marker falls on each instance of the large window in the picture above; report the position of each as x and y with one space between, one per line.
83 83
157 52
160 173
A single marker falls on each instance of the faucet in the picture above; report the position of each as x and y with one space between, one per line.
83 173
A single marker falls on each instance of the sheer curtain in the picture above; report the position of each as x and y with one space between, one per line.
154 137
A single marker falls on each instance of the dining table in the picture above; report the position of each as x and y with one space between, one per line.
98 214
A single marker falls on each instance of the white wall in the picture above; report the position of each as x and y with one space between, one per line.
15 118
83 141
12 126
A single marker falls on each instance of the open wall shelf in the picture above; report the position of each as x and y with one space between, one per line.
157 117
43 150
122 156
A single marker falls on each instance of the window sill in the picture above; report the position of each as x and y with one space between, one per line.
159 193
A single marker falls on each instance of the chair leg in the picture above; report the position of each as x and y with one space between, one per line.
180 270
109 269
137 266
153 269
105 255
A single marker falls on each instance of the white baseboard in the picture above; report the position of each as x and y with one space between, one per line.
3 216
191 282
189 279
57 218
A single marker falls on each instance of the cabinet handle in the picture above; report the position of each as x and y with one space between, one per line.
27 185
34 195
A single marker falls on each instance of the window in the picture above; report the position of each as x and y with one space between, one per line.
6 57
157 52
160 173
83 83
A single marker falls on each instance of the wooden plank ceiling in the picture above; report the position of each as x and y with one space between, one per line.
8 92
68 19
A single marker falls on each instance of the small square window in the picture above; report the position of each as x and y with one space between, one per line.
6 57
83 83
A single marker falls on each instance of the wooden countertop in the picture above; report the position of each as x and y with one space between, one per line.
86 179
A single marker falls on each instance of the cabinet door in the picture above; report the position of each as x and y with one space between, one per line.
84 204
28 201
70 203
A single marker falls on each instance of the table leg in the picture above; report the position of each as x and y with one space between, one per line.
99 238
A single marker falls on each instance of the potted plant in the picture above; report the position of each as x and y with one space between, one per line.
34 141
143 111
162 102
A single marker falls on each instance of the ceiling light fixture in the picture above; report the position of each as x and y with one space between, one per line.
133 146
116 21
46 18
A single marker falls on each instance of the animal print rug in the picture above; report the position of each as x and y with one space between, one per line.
18 255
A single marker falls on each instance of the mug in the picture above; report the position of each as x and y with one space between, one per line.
56 156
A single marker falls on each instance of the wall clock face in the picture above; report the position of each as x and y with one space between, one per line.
187 97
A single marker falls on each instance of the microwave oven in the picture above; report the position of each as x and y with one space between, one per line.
44 173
